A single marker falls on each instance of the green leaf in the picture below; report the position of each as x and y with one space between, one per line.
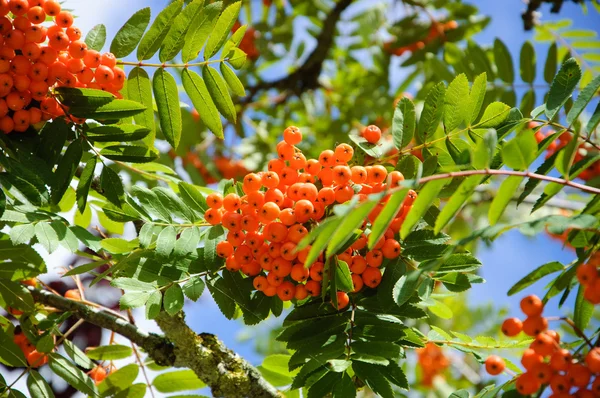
535 275
167 103
455 105
173 300
129 153
551 63
154 304
117 133
2 202
584 98
373 378
426 197
221 30
187 242
154 37
594 120
528 63
347 226
218 91
194 288
165 243
504 62
457 200
132 284
385 218
85 182
321 236
192 197
139 89
96 37
404 123
485 149
504 195
562 87
46 236
119 380
372 150
564 159
521 151
179 380
134 299
584 310
66 170
77 355
217 289
476 97
83 97
37 386
114 110
130 34
432 113
109 352
234 83
202 25
343 279
112 186
20 234
174 41
10 353
201 99
494 115
237 58
71 374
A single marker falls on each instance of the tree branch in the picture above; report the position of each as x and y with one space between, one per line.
306 77
227 374
528 174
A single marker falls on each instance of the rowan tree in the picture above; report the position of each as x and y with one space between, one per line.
346 209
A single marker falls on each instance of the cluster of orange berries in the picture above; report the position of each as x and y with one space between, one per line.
279 208
432 361
98 374
589 276
546 363
35 359
35 57
585 150
436 30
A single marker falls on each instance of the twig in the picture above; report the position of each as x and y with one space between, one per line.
578 331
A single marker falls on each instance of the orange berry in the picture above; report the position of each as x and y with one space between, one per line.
275 232
534 325
371 277
560 360
286 291
357 282
316 271
512 327
560 384
35 359
51 7
243 254
532 305
391 249
313 288
252 183
494 365
299 272
343 300
252 268
269 212
231 202
270 291
327 158
579 375
270 179
531 358
542 372
343 153
313 167
376 174
224 249
359 264
527 384
18 7
98 374
64 19
73 294
213 216
301 292
592 360
285 151
544 344
587 274
214 200
372 134
292 135
108 59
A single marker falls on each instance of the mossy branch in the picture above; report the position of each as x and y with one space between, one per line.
227 374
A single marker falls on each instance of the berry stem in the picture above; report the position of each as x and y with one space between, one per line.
578 331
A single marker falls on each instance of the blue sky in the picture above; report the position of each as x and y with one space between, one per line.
511 257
